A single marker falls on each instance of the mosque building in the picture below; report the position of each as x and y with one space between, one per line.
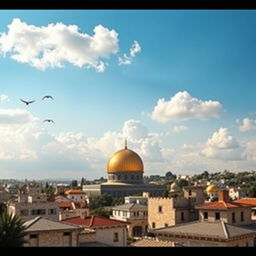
125 177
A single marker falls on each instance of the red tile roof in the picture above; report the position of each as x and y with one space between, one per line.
248 201
221 205
95 221
74 191
65 205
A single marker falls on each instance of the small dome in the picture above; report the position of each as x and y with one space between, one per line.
212 189
125 160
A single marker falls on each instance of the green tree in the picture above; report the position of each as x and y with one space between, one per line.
74 184
101 212
82 182
2 207
182 183
12 230
170 176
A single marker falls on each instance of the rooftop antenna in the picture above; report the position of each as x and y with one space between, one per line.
125 144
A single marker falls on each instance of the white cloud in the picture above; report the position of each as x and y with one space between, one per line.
247 125
134 50
182 106
222 146
15 116
134 130
29 151
179 128
4 97
250 150
54 44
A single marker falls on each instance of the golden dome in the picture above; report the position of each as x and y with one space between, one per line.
125 160
212 189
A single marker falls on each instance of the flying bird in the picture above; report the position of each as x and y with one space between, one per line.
47 97
49 120
27 102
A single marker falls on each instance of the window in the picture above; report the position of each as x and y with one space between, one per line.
247 244
132 177
242 216
32 236
66 234
119 177
160 209
24 212
233 217
115 237
81 197
125 214
153 225
51 211
206 215
217 215
137 177
125 177
38 212
166 225
190 192
182 216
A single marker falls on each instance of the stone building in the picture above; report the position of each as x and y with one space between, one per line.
108 232
76 195
169 211
42 232
135 214
222 223
31 203
125 177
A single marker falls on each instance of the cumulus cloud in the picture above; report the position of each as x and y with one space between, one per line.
222 146
179 128
247 125
27 149
127 59
15 116
182 106
133 130
52 45
4 97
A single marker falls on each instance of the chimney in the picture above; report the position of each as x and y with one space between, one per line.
223 195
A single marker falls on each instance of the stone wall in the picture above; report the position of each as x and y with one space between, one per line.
52 239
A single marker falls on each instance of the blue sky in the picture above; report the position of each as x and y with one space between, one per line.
178 84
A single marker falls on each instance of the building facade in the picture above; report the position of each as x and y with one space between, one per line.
221 223
169 211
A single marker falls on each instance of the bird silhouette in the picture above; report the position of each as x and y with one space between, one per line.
48 120
27 102
47 97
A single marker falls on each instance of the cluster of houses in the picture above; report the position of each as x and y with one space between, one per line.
184 218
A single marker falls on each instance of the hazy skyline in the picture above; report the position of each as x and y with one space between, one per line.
178 84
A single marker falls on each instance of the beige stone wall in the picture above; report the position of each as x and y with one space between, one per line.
196 193
226 215
17 207
106 236
52 239
169 216
192 242
86 238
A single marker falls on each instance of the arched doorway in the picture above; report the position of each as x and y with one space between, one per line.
137 231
